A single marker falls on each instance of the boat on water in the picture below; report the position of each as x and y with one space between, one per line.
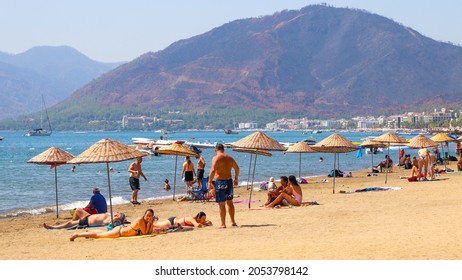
307 141
229 131
40 131
1 138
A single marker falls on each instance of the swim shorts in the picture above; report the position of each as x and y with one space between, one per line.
188 176
224 190
84 222
200 174
134 183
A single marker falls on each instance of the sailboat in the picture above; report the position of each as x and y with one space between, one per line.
41 131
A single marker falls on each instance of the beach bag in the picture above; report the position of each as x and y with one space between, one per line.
303 181
263 186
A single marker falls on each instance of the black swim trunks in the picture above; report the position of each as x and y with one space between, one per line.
200 174
84 222
134 183
188 176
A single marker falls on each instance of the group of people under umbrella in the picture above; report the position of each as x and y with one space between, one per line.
257 143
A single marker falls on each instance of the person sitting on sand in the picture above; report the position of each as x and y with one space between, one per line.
199 220
295 198
87 220
141 226
387 163
273 193
415 167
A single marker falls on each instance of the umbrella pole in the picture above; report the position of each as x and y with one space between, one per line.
248 176
253 176
444 160
56 189
300 167
372 161
335 174
109 188
388 153
174 178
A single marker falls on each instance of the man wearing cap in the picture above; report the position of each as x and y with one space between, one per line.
97 204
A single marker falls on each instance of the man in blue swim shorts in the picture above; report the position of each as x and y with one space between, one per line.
220 172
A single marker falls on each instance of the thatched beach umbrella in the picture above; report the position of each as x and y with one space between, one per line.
389 138
443 138
106 151
54 156
261 142
176 149
300 147
335 143
421 141
369 144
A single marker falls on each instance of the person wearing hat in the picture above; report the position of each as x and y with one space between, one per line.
97 204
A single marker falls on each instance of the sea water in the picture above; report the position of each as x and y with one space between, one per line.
27 188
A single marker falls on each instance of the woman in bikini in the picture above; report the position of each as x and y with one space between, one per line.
199 220
142 225
423 163
294 195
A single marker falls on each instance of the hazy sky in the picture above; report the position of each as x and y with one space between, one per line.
116 30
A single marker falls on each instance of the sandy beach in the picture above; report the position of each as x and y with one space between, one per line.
419 221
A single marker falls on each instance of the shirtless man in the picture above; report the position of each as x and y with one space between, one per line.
220 171
188 173
87 220
134 180
200 170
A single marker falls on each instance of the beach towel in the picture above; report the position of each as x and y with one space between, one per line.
245 201
372 189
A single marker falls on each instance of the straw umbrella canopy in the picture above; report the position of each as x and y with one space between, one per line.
258 141
421 141
53 156
441 138
389 138
300 147
372 144
176 149
335 143
105 151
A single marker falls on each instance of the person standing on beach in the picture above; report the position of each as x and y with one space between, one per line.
134 180
188 173
220 171
200 170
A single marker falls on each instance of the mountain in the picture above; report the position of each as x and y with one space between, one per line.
321 61
54 72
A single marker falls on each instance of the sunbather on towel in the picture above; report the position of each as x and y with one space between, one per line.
142 225
87 220
199 220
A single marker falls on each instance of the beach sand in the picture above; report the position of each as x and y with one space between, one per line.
420 221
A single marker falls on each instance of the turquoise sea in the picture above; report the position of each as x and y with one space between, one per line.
27 188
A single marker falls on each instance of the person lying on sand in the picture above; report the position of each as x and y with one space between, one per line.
87 220
141 226
199 220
